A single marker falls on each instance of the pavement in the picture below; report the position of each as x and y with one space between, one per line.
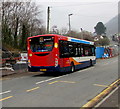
111 100
17 68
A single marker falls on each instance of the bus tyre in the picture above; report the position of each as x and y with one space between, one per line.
91 64
72 67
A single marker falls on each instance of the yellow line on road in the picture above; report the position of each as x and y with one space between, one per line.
32 89
3 78
101 85
117 82
96 99
62 81
6 98
53 82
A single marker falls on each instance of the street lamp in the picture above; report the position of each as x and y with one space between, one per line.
69 22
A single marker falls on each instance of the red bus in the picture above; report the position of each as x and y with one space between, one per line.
51 52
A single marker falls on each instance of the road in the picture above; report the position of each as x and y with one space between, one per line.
66 90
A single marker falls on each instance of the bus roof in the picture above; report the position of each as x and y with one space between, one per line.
80 41
67 37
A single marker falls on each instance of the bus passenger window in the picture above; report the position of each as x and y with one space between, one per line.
86 52
93 51
82 52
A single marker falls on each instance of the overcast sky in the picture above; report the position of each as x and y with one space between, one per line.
86 13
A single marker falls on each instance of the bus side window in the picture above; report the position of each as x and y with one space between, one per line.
86 52
71 49
93 50
82 50
76 50
63 48
91 53
79 50
66 49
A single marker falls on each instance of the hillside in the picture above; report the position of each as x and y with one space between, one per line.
112 26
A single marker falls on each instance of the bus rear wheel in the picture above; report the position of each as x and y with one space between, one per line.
72 67
91 63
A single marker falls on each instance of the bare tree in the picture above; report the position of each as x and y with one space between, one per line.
63 31
19 21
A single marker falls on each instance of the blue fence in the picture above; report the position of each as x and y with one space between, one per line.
99 52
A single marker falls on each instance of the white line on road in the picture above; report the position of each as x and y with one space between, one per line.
61 76
106 97
5 92
50 79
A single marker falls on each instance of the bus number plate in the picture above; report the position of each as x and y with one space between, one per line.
43 69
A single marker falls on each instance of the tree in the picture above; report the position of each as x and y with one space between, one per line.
100 28
102 41
87 35
73 33
23 37
19 21
63 30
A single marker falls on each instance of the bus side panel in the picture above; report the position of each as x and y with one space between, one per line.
79 63
91 61
82 62
64 64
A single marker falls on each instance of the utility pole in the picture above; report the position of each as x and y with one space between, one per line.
69 22
48 19
81 32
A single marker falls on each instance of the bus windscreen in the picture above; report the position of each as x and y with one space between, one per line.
42 44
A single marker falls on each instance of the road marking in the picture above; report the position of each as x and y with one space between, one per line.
4 78
102 94
32 89
53 82
67 81
61 76
62 81
116 82
100 85
5 92
50 79
106 97
6 98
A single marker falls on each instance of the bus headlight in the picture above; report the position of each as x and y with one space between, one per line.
56 62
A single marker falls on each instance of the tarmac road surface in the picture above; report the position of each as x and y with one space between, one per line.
51 90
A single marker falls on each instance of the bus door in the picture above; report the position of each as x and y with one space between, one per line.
64 53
